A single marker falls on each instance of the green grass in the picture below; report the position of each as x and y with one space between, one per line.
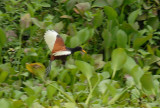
121 67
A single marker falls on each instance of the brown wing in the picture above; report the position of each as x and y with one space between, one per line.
59 45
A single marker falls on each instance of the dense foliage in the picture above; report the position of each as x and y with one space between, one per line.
121 68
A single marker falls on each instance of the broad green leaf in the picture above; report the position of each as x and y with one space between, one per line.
17 94
70 4
117 96
70 105
102 86
140 41
3 76
37 105
98 61
150 49
70 97
38 23
137 73
153 22
30 100
85 68
82 7
105 75
147 82
132 16
44 4
31 10
2 38
110 12
119 58
99 3
37 69
128 2
29 91
127 27
121 39
128 66
18 104
107 36
63 75
151 59
115 3
75 41
4 103
5 70
58 26
98 18
81 37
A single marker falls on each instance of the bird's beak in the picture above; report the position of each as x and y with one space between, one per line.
84 51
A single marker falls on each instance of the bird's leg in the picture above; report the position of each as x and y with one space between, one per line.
63 60
48 69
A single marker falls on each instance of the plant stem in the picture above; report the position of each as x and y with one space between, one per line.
65 94
0 55
114 72
91 91
20 41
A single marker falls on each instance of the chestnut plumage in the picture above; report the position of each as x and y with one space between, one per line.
58 48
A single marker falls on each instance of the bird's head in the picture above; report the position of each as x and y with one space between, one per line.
78 48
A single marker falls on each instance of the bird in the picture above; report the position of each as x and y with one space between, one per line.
57 47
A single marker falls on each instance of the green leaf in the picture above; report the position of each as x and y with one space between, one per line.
98 61
17 94
147 81
50 91
121 39
3 76
117 96
38 23
98 18
110 12
127 2
151 59
37 69
18 104
45 4
5 103
81 37
115 3
82 7
70 4
63 75
2 38
129 65
102 86
37 105
29 91
58 26
108 39
99 3
119 58
140 41
70 105
153 22
30 100
70 97
31 10
137 73
85 68
132 16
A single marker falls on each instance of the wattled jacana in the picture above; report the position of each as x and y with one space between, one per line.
58 48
